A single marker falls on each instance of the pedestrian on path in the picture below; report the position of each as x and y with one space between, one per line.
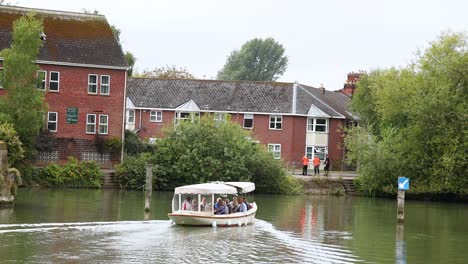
305 164
316 162
326 166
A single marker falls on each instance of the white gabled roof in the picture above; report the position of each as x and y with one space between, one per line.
316 112
190 106
130 104
216 188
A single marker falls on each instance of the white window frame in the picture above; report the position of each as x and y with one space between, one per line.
43 81
53 81
276 122
272 149
155 116
312 125
314 149
152 140
129 115
106 125
191 116
248 117
88 123
108 85
52 122
90 83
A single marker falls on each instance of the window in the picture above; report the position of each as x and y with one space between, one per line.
155 116
186 116
248 121
52 121
54 81
318 151
103 124
92 83
152 140
41 80
275 122
275 149
90 124
316 125
219 118
105 84
131 117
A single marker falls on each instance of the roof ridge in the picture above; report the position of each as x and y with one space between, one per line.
212 80
51 12
321 101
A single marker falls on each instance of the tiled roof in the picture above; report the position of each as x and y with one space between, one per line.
70 37
233 96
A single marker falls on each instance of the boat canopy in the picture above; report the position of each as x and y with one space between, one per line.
244 187
216 188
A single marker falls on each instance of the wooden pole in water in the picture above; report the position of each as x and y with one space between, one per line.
401 207
149 186
6 199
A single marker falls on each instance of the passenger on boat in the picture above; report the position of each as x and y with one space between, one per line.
249 206
242 205
234 204
228 205
204 206
187 205
194 205
220 209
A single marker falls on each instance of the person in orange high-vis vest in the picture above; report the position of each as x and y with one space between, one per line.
316 162
305 164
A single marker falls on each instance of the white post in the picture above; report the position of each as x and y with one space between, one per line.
401 207
199 202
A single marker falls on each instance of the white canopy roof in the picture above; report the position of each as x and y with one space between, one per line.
216 188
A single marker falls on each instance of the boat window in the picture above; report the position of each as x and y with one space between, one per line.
206 204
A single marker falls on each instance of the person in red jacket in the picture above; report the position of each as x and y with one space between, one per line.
316 162
305 164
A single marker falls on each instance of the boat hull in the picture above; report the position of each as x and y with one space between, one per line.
191 218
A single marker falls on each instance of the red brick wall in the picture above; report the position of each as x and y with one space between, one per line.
73 92
149 129
336 140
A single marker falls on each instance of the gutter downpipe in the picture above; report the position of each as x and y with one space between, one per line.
124 117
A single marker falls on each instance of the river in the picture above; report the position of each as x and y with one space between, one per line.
109 226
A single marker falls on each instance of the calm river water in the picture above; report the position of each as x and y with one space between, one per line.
109 226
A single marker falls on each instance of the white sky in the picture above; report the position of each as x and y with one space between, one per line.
324 39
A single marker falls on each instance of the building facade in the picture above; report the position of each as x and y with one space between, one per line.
82 72
290 119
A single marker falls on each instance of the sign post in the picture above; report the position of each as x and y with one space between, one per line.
403 185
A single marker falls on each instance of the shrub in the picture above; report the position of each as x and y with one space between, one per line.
131 173
15 147
133 145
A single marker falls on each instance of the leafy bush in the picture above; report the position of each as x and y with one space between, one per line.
133 145
73 174
131 173
110 145
15 147
208 151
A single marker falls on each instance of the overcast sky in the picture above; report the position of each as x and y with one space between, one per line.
324 40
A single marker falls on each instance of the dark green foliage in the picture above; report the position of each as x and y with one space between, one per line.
208 151
414 122
133 145
257 60
111 145
75 174
23 105
131 173
14 145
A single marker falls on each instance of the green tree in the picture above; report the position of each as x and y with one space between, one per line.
168 72
416 118
204 151
23 105
15 147
257 60
131 59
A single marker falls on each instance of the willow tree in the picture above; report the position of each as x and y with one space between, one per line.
415 122
23 104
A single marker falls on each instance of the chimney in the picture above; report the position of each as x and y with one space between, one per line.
322 88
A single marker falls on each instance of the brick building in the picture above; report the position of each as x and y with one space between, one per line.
349 87
82 70
289 118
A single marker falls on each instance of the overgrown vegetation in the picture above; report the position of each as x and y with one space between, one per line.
208 151
75 174
15 147
23 104
414 123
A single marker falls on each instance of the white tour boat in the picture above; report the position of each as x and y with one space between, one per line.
198 214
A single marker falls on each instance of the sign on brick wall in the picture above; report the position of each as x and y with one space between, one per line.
72 115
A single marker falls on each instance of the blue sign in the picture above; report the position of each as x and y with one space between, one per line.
403 183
